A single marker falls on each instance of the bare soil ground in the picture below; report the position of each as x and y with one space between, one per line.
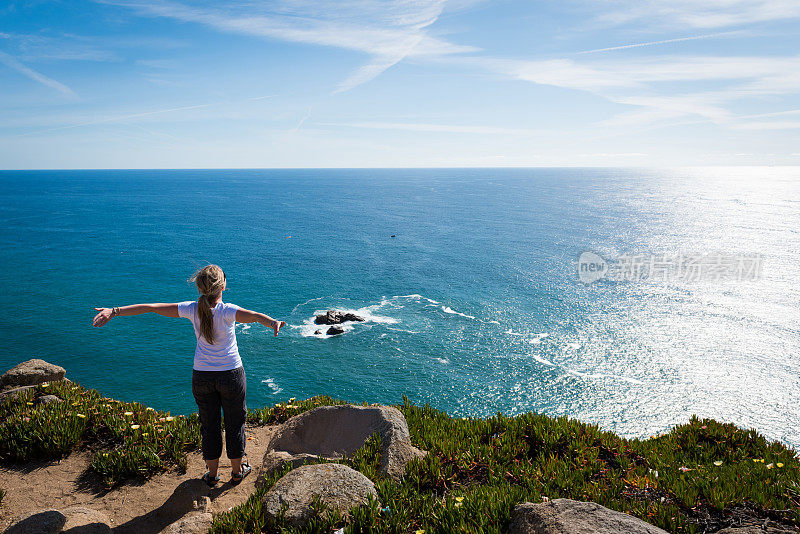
138 506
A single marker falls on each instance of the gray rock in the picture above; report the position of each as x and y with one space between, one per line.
30 373
337 317
334 432
337 486
193 523
9 394
770 528
335 331
85 521
565 516
46 399
38 522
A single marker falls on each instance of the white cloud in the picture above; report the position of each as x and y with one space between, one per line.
427 127
695 13
387 31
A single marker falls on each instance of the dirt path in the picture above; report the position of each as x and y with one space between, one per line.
136 507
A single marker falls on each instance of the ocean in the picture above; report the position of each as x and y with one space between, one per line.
468 278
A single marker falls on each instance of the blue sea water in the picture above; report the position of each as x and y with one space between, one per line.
474 307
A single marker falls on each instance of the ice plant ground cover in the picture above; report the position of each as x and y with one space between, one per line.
699 476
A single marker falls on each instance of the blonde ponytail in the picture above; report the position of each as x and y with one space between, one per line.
210 282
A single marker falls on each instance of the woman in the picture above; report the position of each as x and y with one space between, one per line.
218 379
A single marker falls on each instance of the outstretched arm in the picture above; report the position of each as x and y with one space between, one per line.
247 316
106 314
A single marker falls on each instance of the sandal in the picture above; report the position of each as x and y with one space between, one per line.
209 480
238 477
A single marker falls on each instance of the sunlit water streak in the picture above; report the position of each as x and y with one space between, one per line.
474 306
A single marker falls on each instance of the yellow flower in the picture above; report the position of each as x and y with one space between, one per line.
779 464
770 466
149 409
29 403
170 418
134 427
291 400
420 531
718 463
45 384
144 434
128 413
81 415
105 455
458 504
459 499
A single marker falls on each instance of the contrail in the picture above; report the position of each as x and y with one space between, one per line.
651 43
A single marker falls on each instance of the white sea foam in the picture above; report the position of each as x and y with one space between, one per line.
272 385
538 338
443 360
415 297
448 309
512 333
402 330
542 360
307 302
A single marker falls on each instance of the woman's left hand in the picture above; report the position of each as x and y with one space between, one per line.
104 315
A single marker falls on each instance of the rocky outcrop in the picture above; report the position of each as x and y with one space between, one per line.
334 432
46 399
85 521
565 516
335 331
336 486
40 522
193 523
337 317
757 529
31 373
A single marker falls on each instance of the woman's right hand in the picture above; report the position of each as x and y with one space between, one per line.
104 315
278 326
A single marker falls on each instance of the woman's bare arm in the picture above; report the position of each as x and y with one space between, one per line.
106 314
247 316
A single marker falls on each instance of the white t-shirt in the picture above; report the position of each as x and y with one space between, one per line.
223 354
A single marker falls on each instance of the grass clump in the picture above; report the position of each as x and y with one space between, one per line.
699 477
127 439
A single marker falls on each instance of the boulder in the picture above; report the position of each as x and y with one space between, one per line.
565 516
46 399
756 529
335 331
38 522
193 523
9 394
339 431
337 317
336 486
31 373
85 521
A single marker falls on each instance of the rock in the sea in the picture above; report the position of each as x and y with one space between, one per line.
193 523
565 516
39 522
339 431
335 331
85 521
336 486
337 317
46 399
31 373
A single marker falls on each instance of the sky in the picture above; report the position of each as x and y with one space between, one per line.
398 83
